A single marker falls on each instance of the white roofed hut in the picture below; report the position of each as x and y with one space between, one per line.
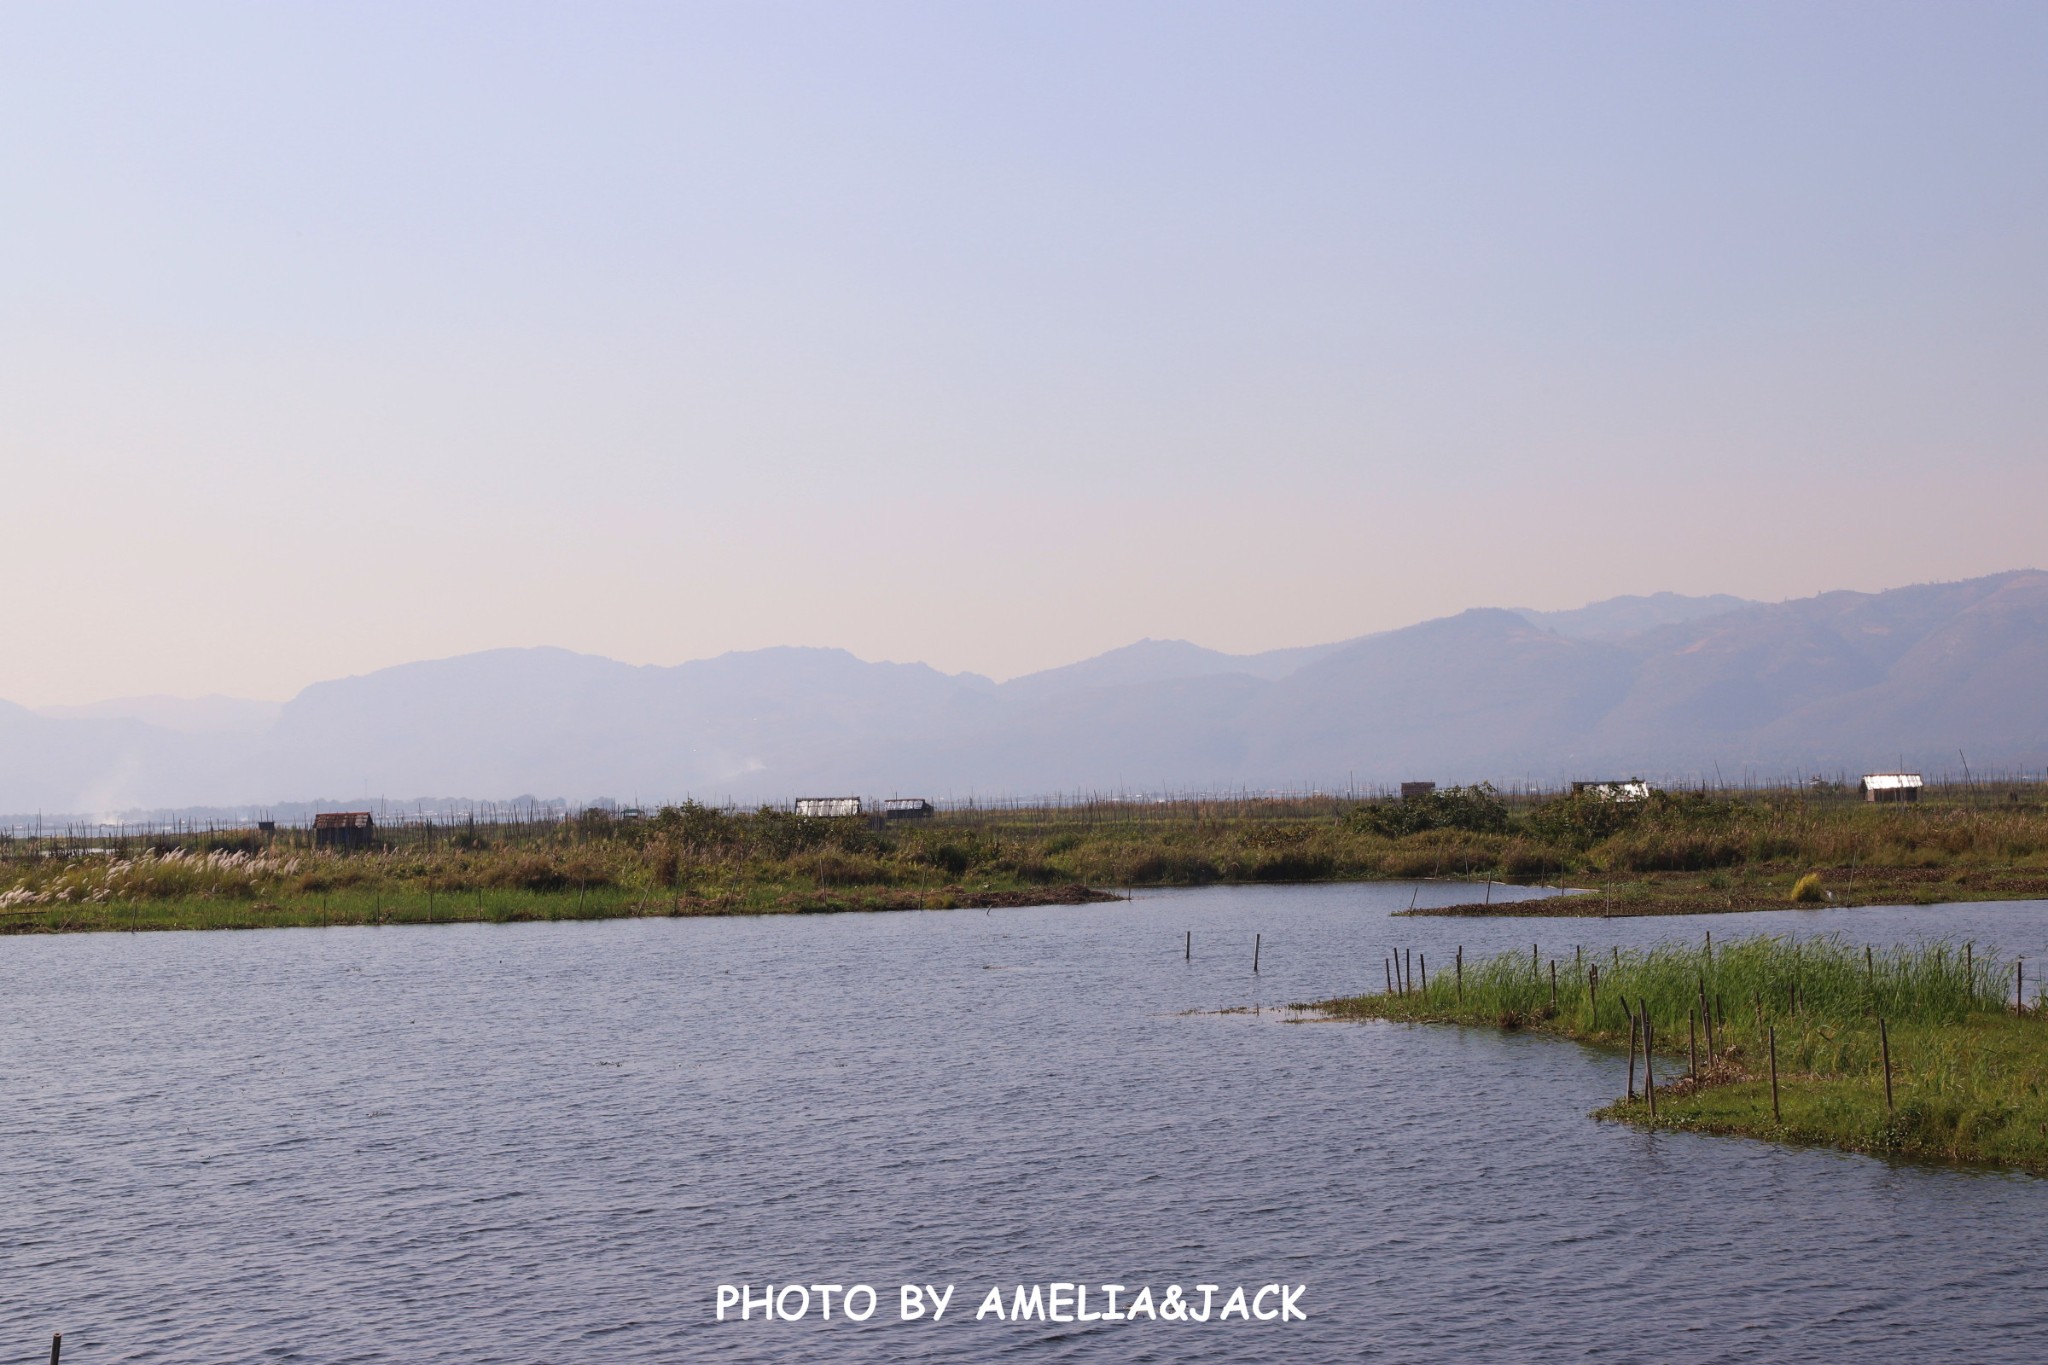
1891 786
828 807
1634 789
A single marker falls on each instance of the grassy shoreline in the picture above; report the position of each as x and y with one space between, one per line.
1687 853
356 906
1967 1068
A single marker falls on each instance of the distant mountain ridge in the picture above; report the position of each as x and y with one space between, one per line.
214 715
1620 616
1662 685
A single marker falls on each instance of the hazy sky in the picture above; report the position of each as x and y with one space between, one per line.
334 336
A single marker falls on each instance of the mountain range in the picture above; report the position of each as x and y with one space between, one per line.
1667 686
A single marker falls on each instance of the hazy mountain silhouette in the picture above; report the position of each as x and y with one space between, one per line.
1665 686
215 715
1619 616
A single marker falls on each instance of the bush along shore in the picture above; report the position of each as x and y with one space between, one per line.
1671 853
1937 1052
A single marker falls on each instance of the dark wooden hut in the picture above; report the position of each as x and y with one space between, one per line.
343 829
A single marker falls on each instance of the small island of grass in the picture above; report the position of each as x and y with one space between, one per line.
1929 1053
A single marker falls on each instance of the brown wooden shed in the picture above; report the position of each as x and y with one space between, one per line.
343 829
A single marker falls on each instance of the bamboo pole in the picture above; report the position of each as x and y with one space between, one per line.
1631 1050
1884 1044
1775 1118
1649 1072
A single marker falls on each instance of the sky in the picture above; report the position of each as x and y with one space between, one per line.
334 336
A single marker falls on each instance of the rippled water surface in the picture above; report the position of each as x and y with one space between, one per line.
549 1142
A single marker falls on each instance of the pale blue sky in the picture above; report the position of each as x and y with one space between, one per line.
333 336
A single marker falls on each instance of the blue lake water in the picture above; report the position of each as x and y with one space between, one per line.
549 1142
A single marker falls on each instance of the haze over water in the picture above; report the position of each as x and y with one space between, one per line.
550 1141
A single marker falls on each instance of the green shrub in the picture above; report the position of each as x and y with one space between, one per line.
1476 810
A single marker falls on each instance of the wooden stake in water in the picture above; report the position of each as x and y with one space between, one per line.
56 1346
1649 1076
1389 965
1255 953
1884 1047
1553 986
1422 960
1188 953
1631 1048
1774 1075
1460 960
1408 972
1593 993
1692 1043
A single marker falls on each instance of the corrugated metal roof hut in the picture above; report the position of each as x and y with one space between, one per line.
828 806
1415 791
906 808
1891 786
343 829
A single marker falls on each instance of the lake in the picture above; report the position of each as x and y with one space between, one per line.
546 1142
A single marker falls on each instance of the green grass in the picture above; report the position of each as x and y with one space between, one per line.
1967 1070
